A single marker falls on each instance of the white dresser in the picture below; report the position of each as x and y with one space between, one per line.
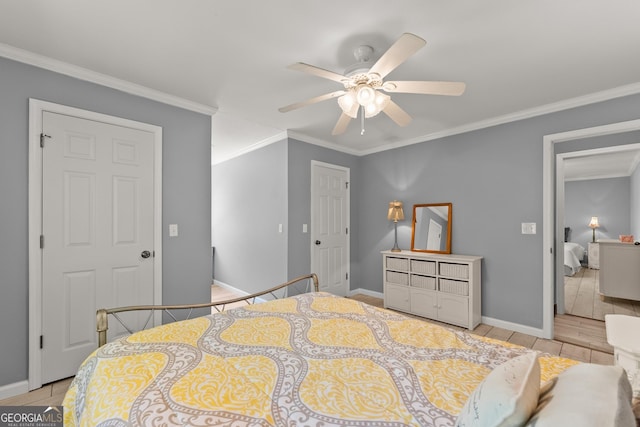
437 286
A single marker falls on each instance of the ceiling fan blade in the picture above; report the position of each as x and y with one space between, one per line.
311 101
316 71
426 88
397 114
341 125
400 51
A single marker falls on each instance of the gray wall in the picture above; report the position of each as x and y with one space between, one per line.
608 199
254 193
493 183
186 194
492 176
249 203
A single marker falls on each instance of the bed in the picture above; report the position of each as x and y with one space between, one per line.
312 359
573 255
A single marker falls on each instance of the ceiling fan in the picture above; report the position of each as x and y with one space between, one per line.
364 85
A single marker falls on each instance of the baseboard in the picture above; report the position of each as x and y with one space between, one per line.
10 390
367 292
516 327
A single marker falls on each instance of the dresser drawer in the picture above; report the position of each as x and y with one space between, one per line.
423 267
398 278
456 271
400 264
423 282
456 287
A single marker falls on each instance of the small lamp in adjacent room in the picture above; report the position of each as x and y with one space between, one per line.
395 214
594 224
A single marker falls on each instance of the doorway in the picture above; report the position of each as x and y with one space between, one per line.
553 231
94 202
596 182
330 205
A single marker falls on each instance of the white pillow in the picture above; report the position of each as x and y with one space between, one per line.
586 395
506 397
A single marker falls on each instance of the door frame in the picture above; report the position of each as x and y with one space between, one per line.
551 237
36 109
312 219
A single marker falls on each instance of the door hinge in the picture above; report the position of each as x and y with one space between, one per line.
346 185
346 230
42 137
550 250
41 342
346 276
153 254
41 241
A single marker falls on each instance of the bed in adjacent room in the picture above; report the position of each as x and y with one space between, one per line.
316 359
573 255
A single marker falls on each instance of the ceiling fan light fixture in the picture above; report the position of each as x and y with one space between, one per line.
364 85
347 103
365 94
379 103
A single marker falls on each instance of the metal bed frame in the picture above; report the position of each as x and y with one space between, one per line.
102 315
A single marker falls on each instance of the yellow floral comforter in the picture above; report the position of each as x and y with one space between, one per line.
312 360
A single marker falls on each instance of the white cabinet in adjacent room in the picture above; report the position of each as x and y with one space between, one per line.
440 287
593 252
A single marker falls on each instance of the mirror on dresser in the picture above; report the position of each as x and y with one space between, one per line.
431 228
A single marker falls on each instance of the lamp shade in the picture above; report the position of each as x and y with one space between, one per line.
594 222
395 213
349 104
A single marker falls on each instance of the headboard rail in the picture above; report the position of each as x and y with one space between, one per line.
102 315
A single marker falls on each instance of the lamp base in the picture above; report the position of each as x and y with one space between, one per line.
395 248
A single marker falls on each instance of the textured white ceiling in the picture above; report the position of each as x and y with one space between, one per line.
517 58
603 165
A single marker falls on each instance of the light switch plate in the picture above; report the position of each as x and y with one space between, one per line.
528 228
173 230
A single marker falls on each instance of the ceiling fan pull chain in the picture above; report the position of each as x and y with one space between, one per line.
362 120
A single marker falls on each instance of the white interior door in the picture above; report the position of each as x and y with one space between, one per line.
97 221
330 227
434 237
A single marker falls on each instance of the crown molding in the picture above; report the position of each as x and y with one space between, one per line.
41 61
567 104
322 143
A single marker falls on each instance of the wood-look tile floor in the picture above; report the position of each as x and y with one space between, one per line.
53 394
581 297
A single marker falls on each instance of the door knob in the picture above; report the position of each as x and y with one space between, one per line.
145 254
318 242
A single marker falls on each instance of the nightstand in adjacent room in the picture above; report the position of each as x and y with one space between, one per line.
593 253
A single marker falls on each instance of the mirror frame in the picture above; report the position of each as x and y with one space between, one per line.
447 249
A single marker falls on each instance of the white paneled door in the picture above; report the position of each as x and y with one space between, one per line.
330 227
98 232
